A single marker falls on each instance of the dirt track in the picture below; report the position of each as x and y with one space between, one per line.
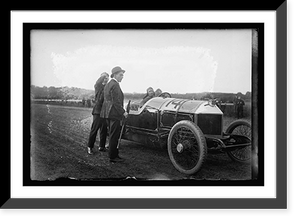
58 150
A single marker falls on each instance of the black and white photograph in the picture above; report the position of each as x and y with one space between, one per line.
145 104
148 109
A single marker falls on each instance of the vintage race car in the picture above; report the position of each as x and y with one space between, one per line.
189 129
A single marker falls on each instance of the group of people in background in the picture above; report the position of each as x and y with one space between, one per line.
108 113
238 105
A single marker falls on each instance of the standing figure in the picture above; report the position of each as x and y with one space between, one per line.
113 111
240 107
98 122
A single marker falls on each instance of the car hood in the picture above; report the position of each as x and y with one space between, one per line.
183 105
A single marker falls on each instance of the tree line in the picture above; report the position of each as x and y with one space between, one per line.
73 93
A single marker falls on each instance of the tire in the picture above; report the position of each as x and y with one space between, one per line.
187 147
240 127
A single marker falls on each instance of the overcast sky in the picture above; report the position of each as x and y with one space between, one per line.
177 61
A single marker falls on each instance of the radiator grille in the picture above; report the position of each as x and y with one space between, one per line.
210 124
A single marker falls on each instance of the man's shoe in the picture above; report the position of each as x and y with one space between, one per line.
102 149
107 143
116 160
90 151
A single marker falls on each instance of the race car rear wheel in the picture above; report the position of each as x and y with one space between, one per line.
187 147
242 128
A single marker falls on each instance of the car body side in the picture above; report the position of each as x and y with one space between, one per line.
152 123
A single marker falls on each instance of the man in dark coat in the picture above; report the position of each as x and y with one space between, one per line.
113 111
98 122
240 107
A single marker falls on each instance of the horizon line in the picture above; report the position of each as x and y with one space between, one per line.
145 92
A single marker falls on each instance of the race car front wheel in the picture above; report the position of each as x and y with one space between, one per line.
187 147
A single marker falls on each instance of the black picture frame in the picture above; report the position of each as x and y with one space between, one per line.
280 202
257 29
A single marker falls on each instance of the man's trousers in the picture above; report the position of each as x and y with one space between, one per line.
98 124
114 134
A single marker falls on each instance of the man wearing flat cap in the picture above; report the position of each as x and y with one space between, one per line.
113 111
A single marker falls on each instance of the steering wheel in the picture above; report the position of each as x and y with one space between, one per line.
165 95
